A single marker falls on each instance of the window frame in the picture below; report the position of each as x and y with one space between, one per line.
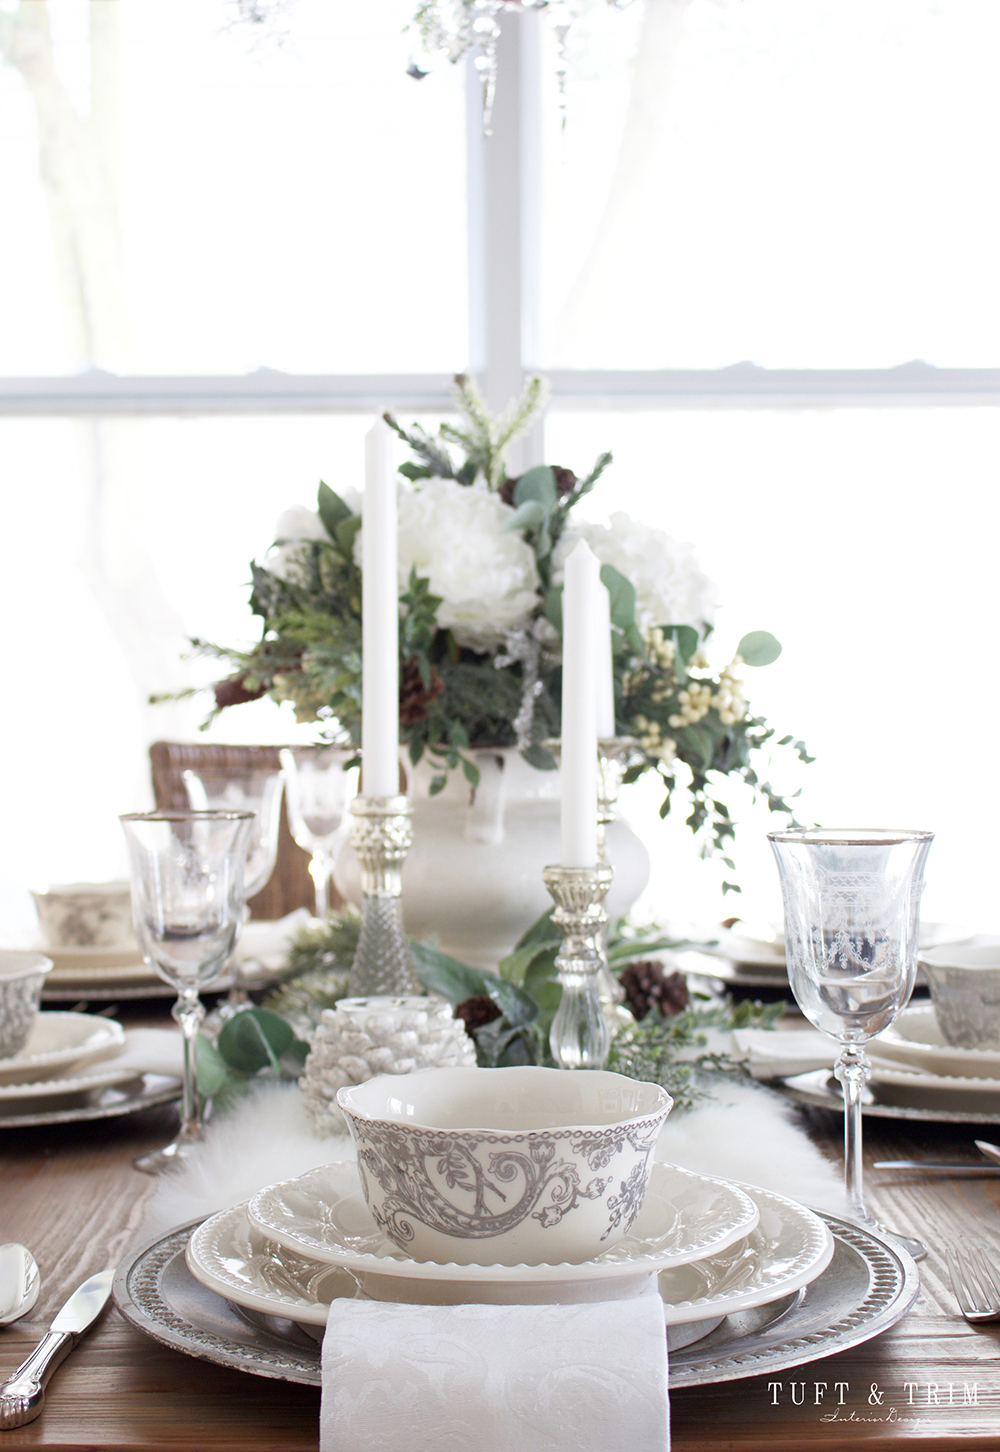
504 241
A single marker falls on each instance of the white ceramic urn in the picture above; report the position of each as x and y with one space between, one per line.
473 876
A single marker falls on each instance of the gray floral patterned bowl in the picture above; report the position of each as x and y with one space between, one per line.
504 1166
21 979
965 988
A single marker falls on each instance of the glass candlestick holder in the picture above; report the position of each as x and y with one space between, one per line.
381 835
580 1036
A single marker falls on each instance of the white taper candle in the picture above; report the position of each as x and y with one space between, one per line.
605 667
578 753
380 620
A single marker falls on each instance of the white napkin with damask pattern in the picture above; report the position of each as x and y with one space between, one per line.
580 1378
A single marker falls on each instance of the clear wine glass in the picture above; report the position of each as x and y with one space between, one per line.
318 789
852 925
187 907
253 789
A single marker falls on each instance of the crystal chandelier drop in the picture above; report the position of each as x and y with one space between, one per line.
451 28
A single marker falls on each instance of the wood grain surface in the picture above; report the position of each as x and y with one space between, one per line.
72 1195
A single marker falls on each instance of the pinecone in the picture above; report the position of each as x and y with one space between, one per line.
565 484
476 1011
646 985
233 692
413 697
353 1044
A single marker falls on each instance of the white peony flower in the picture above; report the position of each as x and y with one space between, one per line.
293 526
452 534
670 588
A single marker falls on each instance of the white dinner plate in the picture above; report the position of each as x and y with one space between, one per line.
57 1042
916 1039
908 1079
37 1093
768 956
79 961
789 1248
323 1216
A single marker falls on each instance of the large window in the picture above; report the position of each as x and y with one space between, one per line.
755 255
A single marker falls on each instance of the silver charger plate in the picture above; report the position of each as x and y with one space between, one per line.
143 1092
821 1091
868 1286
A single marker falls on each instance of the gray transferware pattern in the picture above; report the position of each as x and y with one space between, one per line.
417 1168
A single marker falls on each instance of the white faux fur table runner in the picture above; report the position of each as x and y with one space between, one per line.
746 1133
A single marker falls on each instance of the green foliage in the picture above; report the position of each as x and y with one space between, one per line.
512 1038
255 1043
759 648
674 1052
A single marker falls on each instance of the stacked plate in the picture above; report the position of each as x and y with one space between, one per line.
755 957
917 1075
86 973
67 1070
714 1246
750 1281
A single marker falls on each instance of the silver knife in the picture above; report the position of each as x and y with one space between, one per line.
22 1394
940 1166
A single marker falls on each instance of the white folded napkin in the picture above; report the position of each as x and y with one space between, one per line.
151 1051
778 1054
267 943
582 1378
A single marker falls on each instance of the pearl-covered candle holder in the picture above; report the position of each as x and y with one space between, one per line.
580 1036
381 835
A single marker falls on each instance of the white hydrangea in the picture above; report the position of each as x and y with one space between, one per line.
670 587
453 535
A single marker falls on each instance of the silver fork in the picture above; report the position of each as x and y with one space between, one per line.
976 1283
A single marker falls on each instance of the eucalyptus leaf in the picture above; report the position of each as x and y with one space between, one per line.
537 484
759 648
517 1007
346 533
445 976
539 758
700 741
332 509
622 593
528 515
254 1039
552 607
687 639
635 641
513 968
214 1074
542 931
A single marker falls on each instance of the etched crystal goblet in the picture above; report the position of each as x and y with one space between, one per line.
318 788
852 924
250 789
187 907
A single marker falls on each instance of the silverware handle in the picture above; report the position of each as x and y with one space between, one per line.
22 1394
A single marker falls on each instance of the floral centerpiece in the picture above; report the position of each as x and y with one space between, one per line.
481 557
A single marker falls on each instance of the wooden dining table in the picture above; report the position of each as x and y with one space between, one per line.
71 1193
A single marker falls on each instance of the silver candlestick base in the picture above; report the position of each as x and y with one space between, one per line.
612 754
580 1036
381 835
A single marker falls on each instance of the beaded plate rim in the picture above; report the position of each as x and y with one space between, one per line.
892 1283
